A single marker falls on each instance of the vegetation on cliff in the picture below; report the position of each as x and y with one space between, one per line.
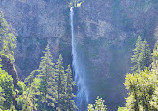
142 83
7 39
50 87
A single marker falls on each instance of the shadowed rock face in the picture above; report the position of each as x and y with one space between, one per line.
8 66
106 31
37 23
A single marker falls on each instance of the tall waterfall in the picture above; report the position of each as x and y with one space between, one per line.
82 93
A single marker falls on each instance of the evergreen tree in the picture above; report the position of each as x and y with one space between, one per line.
146 54
47 80
31 92
49 85
142 55
69 104
61 83
98 106
23 103
7 39
136 52
155 56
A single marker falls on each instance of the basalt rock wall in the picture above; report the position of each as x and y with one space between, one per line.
105 30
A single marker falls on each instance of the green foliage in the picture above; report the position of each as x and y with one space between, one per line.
69 102
7 39
141 87
50 85
23 104
21 87
7 46
122 109
90 107
2 99
20 102
46 75
142 55
155 56
12 108
45 87
98 106
154 100
61 83
31 93
64 87
76 3
41 83
6 83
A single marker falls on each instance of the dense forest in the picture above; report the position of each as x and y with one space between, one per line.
52 84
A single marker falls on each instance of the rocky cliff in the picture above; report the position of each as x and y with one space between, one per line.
37 23
8 66
106 31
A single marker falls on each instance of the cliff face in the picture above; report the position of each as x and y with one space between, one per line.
8 66
106 31
37 22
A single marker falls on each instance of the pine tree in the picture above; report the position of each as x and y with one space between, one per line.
136 52
146 54
32 86
142 55
61 83
155 56
70 104
32 92
46 75
7 39
52 86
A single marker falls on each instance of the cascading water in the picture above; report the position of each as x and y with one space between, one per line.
82 93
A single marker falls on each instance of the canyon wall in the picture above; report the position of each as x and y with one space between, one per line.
106 32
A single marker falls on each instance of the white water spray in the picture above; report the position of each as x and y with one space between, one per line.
82 94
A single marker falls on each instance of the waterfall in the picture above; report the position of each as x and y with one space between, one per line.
82 93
